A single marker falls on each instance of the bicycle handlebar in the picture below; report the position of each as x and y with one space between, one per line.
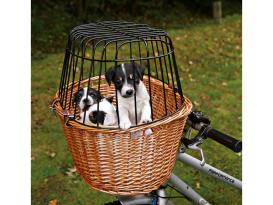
198 121
228 141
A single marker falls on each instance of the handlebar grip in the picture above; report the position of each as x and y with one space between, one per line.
227 141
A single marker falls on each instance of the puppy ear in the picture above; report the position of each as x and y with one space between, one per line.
139 70
97 117
100 97
109 75
110 99
97 93
76 94
93 117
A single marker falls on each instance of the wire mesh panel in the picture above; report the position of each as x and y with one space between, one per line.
94 48
121 105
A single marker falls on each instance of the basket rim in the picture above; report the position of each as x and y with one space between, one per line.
182 112
179 114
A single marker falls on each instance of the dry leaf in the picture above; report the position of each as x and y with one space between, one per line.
192 80
196 103
33 158
239 154
177 38
71 171
224 83
197 185
51 154
190 62
53 202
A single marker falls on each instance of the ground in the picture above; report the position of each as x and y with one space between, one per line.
209 58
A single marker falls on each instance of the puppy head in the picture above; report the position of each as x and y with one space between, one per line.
106 115
84 98
126 78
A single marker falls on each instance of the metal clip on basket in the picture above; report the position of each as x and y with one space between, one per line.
113 160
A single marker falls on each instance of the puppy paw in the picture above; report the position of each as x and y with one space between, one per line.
125 125
148 132
146 120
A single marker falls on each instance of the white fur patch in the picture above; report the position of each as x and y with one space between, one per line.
105 106
90 99
125 86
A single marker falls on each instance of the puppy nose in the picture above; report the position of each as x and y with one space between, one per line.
85 100
129 92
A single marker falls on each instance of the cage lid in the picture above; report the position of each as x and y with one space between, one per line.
115 30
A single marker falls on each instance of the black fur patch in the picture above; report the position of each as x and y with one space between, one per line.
97 117
78 95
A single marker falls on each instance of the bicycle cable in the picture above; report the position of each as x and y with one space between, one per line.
170 197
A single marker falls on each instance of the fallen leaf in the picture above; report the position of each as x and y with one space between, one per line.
196 103
192 80
177 38
224 83
51 154
71 171
197 185
33 158
190 62
53 202
239 154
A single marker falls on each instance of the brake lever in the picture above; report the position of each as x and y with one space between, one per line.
200 150
194 143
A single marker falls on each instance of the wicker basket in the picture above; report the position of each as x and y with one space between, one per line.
117 162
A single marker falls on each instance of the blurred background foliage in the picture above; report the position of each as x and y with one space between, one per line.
51 20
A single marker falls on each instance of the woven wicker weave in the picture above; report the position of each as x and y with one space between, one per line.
115 161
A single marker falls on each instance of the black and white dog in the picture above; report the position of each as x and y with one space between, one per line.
128 80
106 115
85 100
87 103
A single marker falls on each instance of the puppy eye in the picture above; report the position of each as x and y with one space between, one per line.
118 82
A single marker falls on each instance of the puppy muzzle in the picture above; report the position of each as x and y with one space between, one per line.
129 93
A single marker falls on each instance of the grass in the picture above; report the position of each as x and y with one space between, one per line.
209 58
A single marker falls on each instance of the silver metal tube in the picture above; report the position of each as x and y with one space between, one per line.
208 169
161 193
187 190
134 200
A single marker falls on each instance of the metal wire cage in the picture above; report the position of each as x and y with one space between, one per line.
108 158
